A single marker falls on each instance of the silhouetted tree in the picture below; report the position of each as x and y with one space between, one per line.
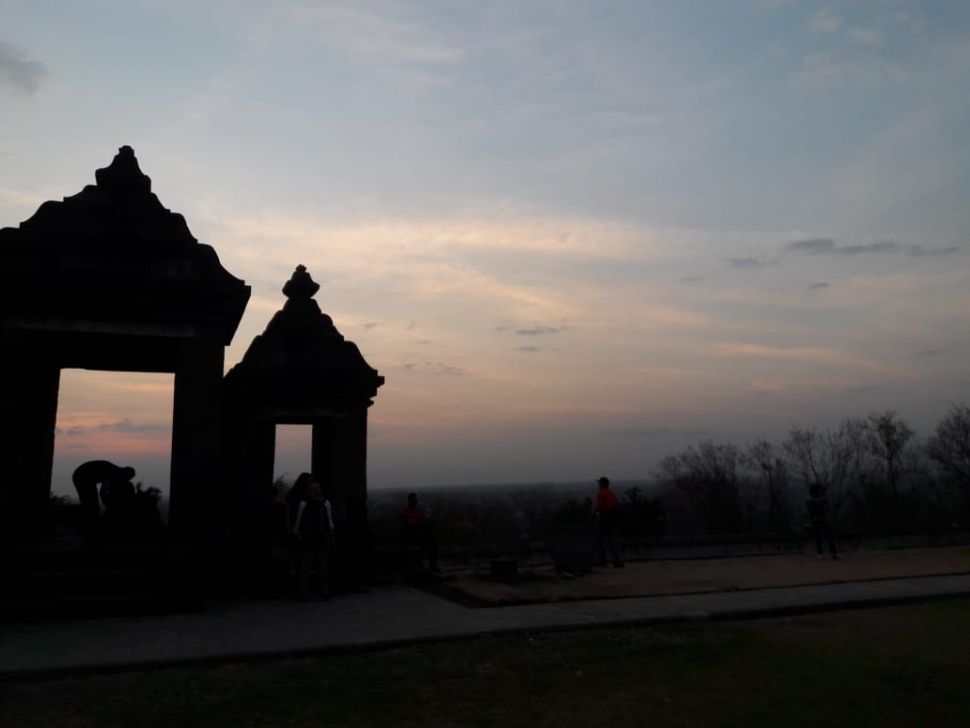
644 517
948 449
949 446
766 461
834 459
710 476
888 439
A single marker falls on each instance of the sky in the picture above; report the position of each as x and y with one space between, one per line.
573 236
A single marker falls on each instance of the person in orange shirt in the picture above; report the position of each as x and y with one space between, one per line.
607 511
417 530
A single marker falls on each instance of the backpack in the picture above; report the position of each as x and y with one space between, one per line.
311 520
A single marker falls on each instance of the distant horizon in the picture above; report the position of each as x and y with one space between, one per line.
293 455
61 481
623 483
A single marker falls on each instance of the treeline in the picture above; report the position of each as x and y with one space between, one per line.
880 478
878 475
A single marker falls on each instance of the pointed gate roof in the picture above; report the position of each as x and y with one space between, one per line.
112 258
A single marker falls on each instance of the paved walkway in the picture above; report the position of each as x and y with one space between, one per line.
236 630
654 577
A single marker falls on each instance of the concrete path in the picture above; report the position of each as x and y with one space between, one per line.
383 618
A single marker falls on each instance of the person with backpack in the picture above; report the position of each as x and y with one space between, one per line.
313 530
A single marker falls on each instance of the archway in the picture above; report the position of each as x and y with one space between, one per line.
110 279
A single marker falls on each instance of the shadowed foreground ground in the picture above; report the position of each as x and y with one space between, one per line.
895 666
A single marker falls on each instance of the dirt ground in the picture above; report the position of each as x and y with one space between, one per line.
645 578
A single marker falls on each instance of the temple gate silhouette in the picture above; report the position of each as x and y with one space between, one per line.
110 279
301 371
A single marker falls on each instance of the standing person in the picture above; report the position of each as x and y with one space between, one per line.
293 499
818 513
313 529
607 512
417 530
296 495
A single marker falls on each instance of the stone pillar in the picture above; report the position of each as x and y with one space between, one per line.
28 401
260 458
196 438
257 477
350 464
350 496
323 454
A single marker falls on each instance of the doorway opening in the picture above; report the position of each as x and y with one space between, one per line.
293 453
123 417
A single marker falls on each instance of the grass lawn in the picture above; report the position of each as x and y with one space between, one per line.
894 666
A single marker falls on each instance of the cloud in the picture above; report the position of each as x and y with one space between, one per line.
692 279
824 70
813 246
828 246
748 263
369 325
918 251
17 72
528 348
427 264
130 428
433 368
124 426
538 330
818 286
803 354
826 20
